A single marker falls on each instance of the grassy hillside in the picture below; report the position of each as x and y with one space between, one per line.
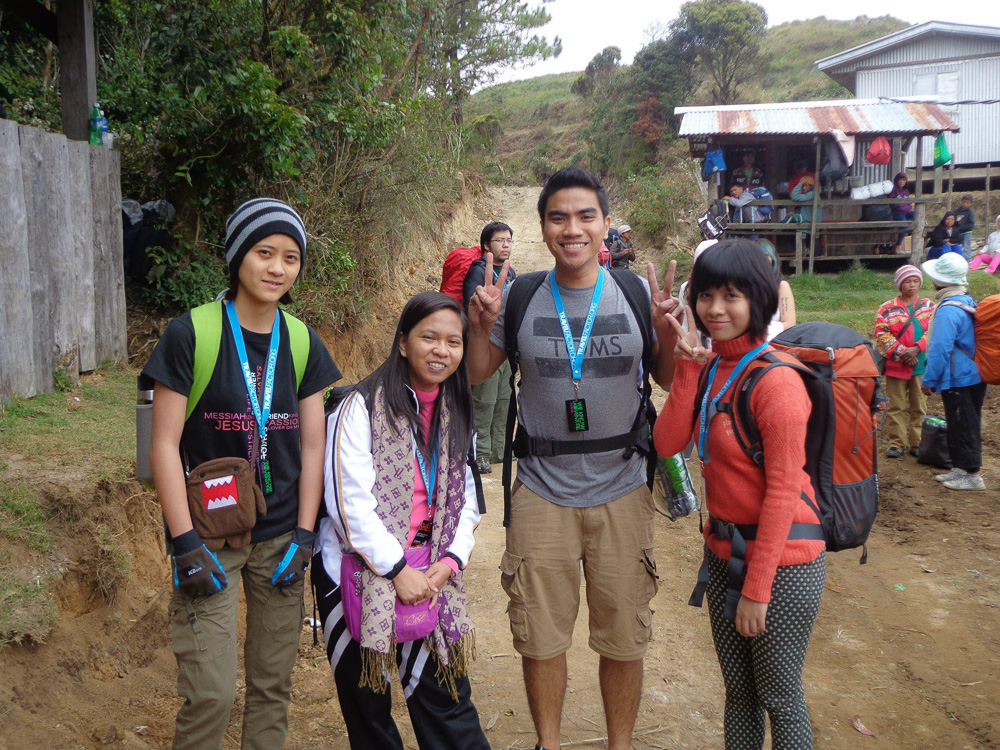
542 119
792 49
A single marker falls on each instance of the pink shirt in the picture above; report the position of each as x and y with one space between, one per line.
421 511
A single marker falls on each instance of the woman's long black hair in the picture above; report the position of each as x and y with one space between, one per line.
740 265
394 376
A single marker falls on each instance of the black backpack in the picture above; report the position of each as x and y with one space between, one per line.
519 443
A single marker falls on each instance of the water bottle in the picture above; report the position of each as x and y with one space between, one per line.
673 493
102 126
95 125
143 429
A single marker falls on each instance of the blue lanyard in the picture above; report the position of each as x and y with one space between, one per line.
576 355
708 408
430 478
260 413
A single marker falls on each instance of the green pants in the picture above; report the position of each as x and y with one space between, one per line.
490 401
204 641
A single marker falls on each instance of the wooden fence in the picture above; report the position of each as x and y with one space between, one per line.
62 285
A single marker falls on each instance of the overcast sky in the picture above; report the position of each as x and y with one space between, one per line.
588 26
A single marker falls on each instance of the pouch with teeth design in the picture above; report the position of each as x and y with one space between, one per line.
224 502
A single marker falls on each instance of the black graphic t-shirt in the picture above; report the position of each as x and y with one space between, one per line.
223 424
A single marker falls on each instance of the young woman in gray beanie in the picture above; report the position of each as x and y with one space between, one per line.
237 458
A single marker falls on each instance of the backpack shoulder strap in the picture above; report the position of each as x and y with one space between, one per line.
635 291
207 322
298 339
519 294
744 425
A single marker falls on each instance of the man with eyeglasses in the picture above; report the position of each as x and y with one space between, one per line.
490 398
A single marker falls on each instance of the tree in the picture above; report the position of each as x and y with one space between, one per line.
661 78
600 72
475 40
725 37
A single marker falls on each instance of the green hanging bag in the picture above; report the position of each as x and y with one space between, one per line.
942 154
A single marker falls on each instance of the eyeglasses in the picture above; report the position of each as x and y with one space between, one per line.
504 241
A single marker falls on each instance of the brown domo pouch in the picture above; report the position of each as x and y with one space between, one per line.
224 502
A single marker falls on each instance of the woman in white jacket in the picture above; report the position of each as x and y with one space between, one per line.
401 510
989 255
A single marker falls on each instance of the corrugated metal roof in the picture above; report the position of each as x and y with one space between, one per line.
852 116
903 36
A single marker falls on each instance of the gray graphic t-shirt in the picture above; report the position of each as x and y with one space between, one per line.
610 386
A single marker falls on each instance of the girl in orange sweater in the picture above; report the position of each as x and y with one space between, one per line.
762 632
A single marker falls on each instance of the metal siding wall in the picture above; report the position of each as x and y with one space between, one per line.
979 140
929 49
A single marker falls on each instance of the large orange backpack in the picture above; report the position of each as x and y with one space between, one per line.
456 266
838 368
986 322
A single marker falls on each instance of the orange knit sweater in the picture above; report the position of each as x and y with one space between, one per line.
736 489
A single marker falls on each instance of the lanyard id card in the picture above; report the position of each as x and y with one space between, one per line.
576 408
576 415
261 407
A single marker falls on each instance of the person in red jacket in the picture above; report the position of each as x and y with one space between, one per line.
760 642
900 325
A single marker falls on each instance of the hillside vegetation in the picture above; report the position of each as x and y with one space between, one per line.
543 121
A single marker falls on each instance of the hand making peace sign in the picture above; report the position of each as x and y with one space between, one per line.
689 344
484 305
662 303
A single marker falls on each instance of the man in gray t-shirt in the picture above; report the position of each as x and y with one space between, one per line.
580 349
609 385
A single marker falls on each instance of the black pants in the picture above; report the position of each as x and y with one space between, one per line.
764 673
963 409
439 722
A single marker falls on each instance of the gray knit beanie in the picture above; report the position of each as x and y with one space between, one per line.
257 219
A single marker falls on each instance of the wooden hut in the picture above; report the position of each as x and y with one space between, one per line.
782 134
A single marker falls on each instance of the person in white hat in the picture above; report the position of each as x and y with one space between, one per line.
622 252
952 372
900 325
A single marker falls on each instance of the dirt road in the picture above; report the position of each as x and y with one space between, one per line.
910 642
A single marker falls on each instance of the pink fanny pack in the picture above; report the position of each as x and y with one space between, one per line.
413 621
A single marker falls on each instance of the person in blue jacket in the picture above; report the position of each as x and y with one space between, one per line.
952 372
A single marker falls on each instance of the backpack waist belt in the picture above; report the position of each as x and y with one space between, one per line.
738 534
525 445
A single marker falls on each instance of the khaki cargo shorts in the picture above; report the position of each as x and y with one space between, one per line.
540 571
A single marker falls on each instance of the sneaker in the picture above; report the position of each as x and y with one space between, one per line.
483 464
894 452
915 454
967 482
955 473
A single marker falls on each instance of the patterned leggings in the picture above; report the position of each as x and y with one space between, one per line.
764 673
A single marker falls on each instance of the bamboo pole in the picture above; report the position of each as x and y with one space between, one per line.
815 211
951 179
989 213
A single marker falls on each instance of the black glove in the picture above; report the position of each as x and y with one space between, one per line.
197 571
292 567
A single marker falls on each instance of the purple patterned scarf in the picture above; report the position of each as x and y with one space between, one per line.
453 640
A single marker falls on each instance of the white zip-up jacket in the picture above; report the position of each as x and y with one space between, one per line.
351 523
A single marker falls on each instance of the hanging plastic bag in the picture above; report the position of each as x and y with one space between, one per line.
880 152
942 154
715 161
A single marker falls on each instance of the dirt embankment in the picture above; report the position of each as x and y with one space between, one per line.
909 642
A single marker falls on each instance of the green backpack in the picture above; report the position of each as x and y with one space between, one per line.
208 324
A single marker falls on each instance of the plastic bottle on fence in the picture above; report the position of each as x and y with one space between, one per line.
96 137
673 493
143 429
